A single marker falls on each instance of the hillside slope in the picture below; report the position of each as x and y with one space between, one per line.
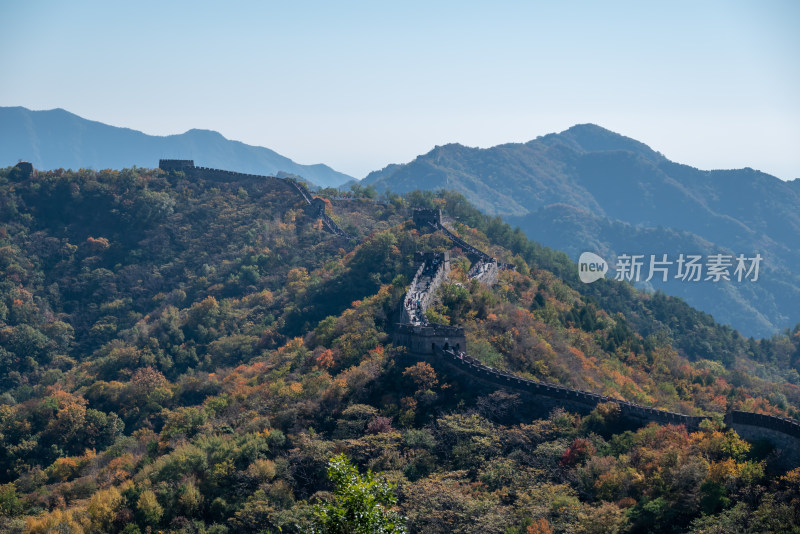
626 193
187 356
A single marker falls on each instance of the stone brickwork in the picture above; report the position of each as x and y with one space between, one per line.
218 175
426 219
484 267
787 448
783 425
584 400
447 346
476 255
783 433
424 339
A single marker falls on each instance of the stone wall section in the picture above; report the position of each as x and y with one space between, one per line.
485 272
447 345
433 270
217 175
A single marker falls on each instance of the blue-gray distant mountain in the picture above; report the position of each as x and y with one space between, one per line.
588 188
59 139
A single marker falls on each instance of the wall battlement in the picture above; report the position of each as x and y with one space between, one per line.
168 165
783 433
786 426
205 173
447 344
485 272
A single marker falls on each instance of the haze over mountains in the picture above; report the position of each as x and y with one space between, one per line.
59 139
584 189
589 189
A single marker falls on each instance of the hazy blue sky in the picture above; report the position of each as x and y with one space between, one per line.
358 85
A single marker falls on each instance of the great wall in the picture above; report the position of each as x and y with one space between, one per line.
446 346
315 206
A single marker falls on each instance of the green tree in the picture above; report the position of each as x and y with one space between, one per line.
149 509
362 504
10 503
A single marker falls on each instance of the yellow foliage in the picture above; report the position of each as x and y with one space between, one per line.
62 469
73 520
723 471
103 508
262 469
119 468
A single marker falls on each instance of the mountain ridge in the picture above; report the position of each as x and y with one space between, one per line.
620 180
613 177
58 138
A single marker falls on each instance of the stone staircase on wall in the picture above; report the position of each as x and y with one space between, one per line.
433 270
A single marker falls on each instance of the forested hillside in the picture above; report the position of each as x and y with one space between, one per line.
193 357
590 189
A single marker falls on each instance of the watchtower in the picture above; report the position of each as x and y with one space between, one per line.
421 339
22 171
425 218
317 207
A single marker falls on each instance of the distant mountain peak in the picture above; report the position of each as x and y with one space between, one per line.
589 127
198 132
57 138
590 137
448 147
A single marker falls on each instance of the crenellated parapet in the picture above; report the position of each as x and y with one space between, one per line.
783 433
583 401
175 165
784 425
301 189
428 220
